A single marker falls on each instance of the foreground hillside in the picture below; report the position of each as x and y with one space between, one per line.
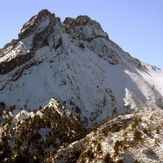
128 138
33 136
131 138
53 134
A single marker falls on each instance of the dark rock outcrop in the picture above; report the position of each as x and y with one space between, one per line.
37 24
84 28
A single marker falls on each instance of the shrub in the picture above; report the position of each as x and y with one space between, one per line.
157 130
1 112
90 154
117 147
105 132
157 141
147 131
2 105
81 45
108 158
35 110
137 135
21 158
12 108
151 118
136 122
120 161
99 147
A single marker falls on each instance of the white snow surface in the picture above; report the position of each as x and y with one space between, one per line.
99 77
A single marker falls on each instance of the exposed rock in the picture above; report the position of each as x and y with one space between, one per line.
37 24
84 28
6 67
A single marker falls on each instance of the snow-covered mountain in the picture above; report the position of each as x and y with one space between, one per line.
71 69
76 63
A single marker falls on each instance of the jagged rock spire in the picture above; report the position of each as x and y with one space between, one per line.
37 23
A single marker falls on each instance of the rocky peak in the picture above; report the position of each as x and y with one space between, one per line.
37 23
33 35
83 27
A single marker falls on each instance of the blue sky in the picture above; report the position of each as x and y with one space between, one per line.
135 25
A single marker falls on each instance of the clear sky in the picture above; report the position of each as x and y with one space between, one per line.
135 25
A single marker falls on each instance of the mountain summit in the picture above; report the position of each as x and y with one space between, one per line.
74 64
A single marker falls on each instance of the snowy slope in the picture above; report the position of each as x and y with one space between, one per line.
76 63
